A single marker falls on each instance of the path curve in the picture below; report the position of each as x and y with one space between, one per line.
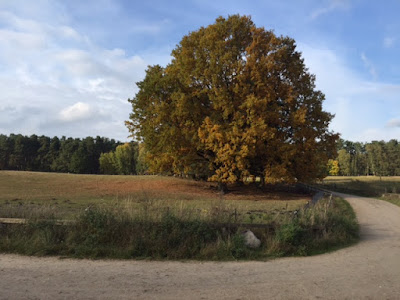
369 270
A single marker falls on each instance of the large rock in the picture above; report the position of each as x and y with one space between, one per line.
250 240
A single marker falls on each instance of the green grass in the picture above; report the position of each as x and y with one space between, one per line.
114 233
384 188
156 217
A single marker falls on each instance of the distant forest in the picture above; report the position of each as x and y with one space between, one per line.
42 153
101 155
357 159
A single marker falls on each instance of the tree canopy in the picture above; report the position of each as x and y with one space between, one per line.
378 158
236 101
42 153
122 161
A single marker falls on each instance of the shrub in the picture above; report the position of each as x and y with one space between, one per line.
113 233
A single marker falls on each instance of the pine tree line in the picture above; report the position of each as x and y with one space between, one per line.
42 153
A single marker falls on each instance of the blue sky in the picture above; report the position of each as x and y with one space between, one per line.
68 67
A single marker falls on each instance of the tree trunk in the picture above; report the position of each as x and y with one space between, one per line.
222 188
261 184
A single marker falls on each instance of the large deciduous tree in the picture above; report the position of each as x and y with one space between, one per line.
235 101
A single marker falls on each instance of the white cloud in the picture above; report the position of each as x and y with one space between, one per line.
69 32
36 109
52 72
25 76
393 123
73 86
388 42
360 105
78 111
77 62
369 65
20 40
332 5
378 134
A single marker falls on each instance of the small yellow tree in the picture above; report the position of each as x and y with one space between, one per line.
333 167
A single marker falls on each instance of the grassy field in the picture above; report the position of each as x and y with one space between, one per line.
156 217
385 188
23 194
106 233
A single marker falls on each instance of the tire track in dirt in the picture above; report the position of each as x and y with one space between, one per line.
368 270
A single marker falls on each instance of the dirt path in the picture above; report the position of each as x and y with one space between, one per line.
369 270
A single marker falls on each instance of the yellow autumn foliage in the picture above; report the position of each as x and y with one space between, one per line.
235 102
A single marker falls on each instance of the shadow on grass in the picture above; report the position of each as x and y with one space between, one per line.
373 188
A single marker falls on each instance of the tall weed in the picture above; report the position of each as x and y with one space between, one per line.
148 231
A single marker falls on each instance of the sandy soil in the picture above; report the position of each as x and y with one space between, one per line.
369 270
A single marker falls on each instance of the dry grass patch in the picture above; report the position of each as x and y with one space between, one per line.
67 194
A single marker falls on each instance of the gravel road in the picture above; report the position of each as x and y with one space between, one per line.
368 270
